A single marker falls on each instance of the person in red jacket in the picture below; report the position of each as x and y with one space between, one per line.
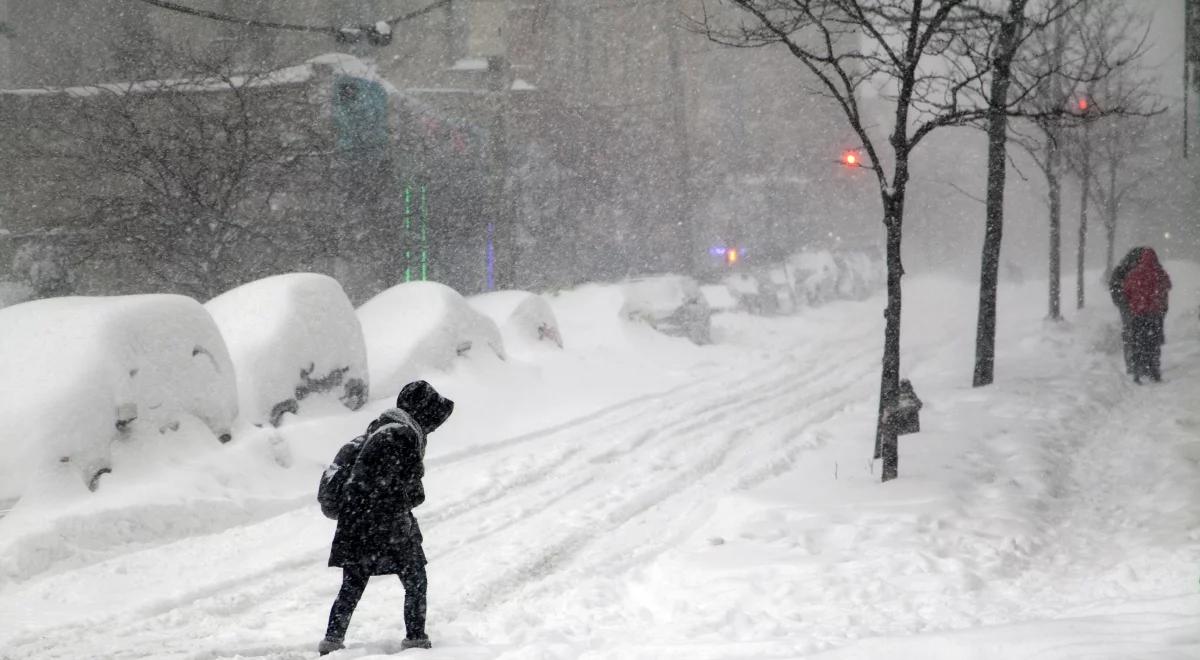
1142 291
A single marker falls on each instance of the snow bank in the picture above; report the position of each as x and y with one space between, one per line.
81 374
418 326
524 319
292 336
671 304
159 493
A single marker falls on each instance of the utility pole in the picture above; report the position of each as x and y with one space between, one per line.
683 171
1191 60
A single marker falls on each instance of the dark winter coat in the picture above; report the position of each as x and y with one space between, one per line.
1116 279
376 528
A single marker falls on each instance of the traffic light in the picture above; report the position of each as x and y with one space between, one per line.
851 159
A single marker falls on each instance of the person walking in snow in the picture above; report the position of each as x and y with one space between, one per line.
377 533
1116 280
1139 286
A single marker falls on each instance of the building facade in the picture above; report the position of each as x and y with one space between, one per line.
605 139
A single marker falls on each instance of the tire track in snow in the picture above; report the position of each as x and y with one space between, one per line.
703 467
688 422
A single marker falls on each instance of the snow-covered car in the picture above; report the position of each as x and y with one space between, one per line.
671 304
524 318
720 298
414 327
80 374
779 286
814 275
751 295
294 339
821 276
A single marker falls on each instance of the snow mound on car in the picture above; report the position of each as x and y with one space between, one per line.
524 318
295 343
821 276
720 297
671 304
82 374
415 327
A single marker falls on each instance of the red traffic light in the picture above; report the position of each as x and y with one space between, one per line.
1083 104
850 158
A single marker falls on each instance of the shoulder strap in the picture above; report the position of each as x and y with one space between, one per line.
409 422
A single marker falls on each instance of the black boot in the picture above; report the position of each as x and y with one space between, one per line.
416 643
328 646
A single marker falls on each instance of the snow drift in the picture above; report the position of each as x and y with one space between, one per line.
294 339
418 326
81 374
524 319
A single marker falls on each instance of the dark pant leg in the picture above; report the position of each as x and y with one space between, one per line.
1127 339
1145 345
416 585
354 582
1157 340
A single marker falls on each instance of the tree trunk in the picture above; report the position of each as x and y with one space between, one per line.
997 118
1055 194
1110 239
886 444
1085 192
683 247
1110 220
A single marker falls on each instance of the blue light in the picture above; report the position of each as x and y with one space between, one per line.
717 251
491 257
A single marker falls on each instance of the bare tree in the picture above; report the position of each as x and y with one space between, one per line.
1020 55
1041 137
1117 152
905 47
1001 52
173 177
1065 58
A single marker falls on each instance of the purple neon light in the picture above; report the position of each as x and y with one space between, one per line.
491 256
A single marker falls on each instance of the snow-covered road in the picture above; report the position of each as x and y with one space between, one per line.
722 507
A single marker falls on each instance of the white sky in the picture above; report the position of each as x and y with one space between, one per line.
1165 52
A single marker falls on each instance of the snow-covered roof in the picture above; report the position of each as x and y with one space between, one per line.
471 64
301 73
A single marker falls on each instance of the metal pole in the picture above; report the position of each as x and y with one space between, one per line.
1189 49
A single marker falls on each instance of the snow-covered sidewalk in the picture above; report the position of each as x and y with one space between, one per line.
716 503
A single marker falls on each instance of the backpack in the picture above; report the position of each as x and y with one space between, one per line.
338 474
334 478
